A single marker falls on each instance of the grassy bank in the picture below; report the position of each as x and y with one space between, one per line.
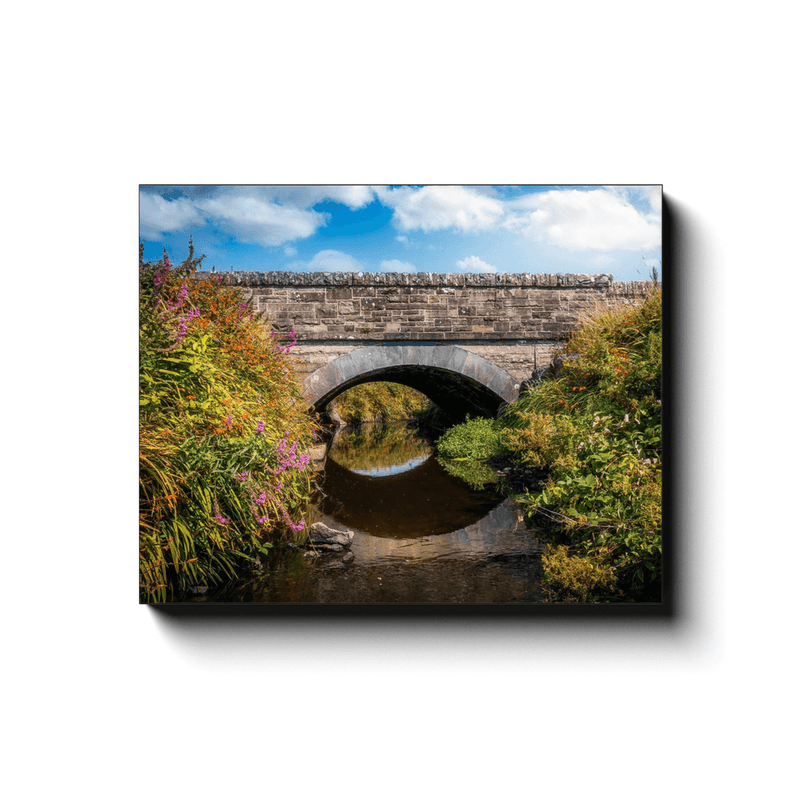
379 402
592 438
222 438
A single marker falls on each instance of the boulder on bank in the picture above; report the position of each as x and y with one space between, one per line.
322 536
317 455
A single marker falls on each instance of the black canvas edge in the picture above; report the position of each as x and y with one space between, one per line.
675 454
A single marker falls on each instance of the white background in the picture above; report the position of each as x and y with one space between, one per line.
104 698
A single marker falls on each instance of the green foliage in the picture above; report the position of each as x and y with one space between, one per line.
573 579
464 450
476 439
222 468
598 429
380 401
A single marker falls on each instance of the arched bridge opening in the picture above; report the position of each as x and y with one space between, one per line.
457 381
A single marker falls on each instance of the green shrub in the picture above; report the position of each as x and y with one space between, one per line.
464 450
573 579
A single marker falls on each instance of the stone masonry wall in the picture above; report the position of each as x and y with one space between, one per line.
430 307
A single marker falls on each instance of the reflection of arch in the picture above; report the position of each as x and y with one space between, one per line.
379 505
456 380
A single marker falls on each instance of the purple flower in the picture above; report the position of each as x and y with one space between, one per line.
262 520
222 521
297 528
229 419
261 499
161 273
242 477
260 426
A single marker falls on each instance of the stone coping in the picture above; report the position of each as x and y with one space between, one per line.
431 279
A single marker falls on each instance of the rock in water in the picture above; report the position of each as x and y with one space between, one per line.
321 535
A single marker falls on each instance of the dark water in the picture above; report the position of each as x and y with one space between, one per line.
421 535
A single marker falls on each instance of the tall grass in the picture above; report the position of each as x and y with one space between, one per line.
596 430
223 472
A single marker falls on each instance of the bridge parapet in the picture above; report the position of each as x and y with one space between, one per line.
425 306
429 279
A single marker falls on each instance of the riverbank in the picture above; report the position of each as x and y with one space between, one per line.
581 454
377 402
223 436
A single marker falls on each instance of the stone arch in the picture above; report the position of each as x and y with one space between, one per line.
456 380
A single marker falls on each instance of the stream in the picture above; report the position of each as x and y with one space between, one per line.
421 535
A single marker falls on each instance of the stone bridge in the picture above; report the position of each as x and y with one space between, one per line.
467 341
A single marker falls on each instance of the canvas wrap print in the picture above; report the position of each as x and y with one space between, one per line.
401 395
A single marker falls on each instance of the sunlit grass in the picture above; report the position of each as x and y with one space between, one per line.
380 401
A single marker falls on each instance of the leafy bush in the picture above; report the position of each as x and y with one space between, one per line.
464 450
476 439
223 471
574 579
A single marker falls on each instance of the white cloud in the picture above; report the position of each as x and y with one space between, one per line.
585 220
403 239
250 218
331 261
305 197
290 251
434 208
474 264
158 215
265 215
396 266
653 194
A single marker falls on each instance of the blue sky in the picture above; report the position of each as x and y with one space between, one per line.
434 228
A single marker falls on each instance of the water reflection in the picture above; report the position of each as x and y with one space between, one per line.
394 469
495 560
422 501
421 535
379 449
